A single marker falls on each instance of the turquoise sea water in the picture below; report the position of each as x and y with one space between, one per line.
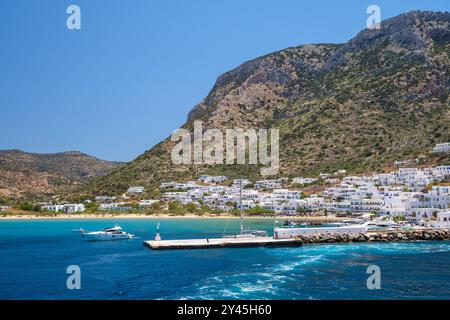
34 256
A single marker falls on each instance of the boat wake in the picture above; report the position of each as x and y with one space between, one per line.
297 268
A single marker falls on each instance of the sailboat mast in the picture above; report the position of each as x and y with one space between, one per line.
240 196
240 203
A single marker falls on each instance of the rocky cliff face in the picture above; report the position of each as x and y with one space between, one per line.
359 106
244 94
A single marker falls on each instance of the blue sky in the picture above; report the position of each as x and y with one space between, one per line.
129 77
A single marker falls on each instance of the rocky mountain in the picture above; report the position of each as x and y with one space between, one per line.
382 96
34 175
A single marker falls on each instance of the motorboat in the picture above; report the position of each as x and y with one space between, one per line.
337 224
114 233
290 223
353 221
382 223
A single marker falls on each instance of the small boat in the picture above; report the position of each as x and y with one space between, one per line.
114 233
246 233
290 223
337 224
81 230
353 221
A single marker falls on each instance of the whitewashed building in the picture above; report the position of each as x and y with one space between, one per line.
442 147
286 194
75 207
136 190
438 197
245 204
183 197
301 180
212 179
442 220
417 214
105 198
396 201
441 171
286 208
365 205
238 182
400 163
324 175
66 208
147 203
116 206
268 184
168 185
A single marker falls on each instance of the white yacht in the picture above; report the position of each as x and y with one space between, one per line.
114 233
382 223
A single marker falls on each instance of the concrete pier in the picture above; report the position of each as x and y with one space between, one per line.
221 243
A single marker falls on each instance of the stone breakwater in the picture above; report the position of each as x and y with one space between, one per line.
380 236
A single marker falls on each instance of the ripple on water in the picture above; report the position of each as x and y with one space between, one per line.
127 270
300 269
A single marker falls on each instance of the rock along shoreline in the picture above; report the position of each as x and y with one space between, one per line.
379 236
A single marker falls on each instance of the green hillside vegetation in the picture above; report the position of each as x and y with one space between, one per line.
382 96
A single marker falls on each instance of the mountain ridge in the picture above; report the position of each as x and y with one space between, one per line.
38 175
381 96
